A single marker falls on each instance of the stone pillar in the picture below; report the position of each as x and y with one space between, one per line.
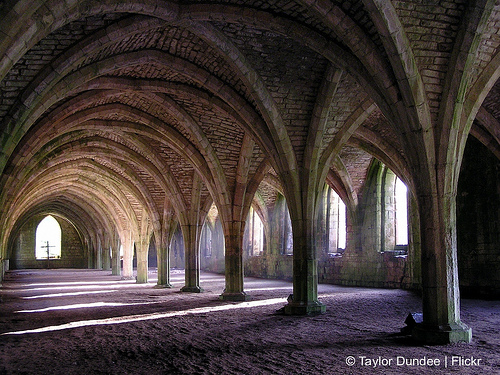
4 267
163 241
99 253
90 259
142 260
163 256
116 268
106 255
440 289
304 300
192 258
128 255
106 259
234 264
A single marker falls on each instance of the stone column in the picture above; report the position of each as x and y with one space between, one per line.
304 300
98 258
106 255
142 259
440 288
234 264
106 259
116 268
90 252
163 256
128 255
163 241
192 258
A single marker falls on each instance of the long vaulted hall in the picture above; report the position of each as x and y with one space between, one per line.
179 153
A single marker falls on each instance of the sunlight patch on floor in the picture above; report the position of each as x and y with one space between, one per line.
269 289
152 316
70 294
89 286
86 306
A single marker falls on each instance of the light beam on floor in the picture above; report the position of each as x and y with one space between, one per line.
89 286
152 316
269 289
85 306
70 294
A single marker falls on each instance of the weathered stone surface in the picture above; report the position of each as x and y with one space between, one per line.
131 120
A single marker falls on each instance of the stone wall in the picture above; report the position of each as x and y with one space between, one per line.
368 261
371 258
478 223
177 250
382 270
212 248
272 266
72 250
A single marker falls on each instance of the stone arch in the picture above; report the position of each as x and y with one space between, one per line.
412 112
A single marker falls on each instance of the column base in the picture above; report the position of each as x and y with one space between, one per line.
128 278
191 289
235 297
311 308
442 335
162 286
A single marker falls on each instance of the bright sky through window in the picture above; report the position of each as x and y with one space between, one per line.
342 241
48 233
401 213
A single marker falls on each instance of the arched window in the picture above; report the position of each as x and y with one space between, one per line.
212 235
206 239
336 228
401 197
254 234
338 211
287 233
48 239
392 211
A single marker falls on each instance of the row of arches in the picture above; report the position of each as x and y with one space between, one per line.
257 238
142 115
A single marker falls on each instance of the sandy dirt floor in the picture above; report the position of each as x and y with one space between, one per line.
89 322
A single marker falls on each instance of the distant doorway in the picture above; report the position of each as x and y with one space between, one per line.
48 239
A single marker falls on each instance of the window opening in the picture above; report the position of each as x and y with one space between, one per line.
337 225
206 239
342 226
48 239
287 232
401 195
254 234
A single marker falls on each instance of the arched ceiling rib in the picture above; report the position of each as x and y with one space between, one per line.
126 102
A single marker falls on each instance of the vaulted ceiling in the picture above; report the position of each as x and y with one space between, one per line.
112 111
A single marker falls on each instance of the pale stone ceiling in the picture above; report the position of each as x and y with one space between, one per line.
109 108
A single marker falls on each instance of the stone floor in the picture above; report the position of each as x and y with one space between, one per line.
89 322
